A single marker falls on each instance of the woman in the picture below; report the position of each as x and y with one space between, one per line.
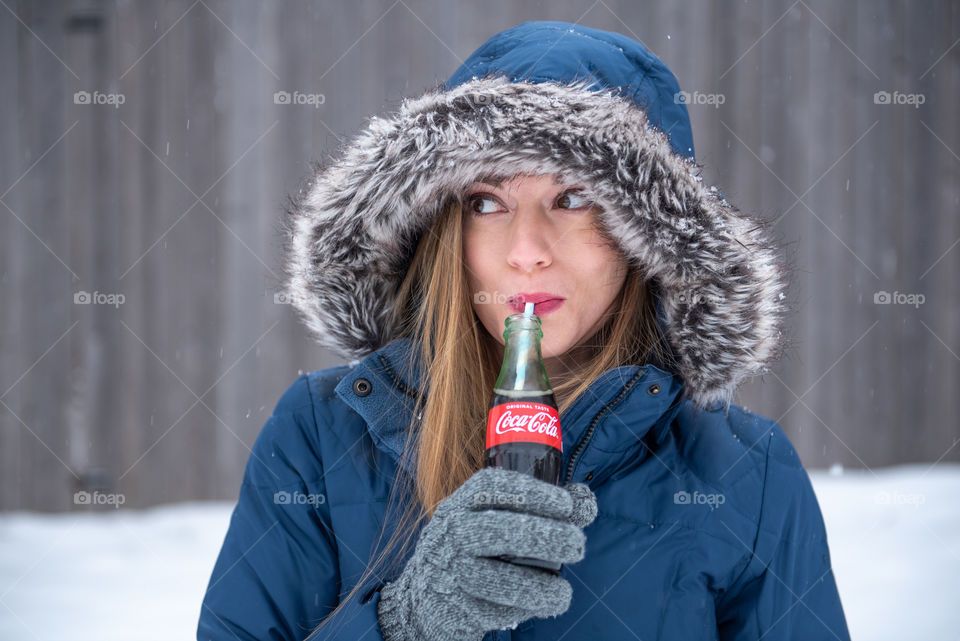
557 159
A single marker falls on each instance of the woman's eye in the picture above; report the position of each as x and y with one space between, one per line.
482 204
572 200
479 204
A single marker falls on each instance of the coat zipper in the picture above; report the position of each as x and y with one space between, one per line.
582 445
412 393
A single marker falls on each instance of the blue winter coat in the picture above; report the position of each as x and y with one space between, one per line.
708 526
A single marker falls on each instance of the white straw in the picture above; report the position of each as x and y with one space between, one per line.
528 309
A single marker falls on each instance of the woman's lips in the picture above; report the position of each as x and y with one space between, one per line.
539 309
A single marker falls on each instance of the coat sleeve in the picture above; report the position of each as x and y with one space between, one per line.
276 577
787 588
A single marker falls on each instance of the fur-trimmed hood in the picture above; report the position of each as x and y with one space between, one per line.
353 227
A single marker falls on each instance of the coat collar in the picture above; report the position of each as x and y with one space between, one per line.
620 416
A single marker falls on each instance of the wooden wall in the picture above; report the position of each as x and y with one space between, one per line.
172 200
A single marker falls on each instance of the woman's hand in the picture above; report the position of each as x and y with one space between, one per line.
451 589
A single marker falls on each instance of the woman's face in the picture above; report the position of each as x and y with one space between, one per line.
530 235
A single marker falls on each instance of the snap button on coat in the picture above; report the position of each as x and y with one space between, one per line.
362 387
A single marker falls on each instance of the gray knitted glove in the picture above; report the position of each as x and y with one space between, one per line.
450 589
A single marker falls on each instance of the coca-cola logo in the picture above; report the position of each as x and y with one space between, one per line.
524 422
538 423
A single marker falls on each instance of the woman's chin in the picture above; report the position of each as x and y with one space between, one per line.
552 349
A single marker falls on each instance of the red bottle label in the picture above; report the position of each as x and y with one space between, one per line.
525 422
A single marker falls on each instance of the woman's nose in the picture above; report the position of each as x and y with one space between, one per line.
530 242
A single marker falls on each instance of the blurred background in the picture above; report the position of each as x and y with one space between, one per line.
146 154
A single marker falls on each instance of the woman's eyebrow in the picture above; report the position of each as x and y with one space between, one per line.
493 182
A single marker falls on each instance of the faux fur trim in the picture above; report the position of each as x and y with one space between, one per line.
353 226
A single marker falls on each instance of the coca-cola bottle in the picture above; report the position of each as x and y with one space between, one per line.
523 424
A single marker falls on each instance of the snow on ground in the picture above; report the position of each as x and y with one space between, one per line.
131 575
894 539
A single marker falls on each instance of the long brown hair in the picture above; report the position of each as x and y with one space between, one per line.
446 436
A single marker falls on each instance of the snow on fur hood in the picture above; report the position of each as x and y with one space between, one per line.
353 227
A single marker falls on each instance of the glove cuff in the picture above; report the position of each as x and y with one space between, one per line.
393 612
